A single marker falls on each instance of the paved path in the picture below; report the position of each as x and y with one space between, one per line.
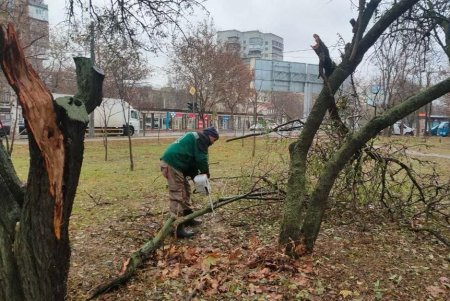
415 153
148 135
173 134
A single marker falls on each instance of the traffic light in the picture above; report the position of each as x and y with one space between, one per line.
190 107
196 107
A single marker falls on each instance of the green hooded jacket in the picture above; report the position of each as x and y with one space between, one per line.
189 154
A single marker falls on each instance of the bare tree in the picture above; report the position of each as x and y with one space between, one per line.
443 107
126 73
34 220
145 23
59 71
125 66
287 105
194 66
232 81
303 212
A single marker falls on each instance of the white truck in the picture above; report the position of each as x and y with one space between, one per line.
115 117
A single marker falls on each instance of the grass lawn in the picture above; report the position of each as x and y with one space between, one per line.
234 255
427 145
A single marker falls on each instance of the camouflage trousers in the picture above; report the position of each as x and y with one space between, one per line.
179 190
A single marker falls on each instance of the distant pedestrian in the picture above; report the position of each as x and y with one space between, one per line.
186 157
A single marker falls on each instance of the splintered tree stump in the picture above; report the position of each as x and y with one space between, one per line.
38 109
34 220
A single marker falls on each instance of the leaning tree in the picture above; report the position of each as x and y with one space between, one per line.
306 202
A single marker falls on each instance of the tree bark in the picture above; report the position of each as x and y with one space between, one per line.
292 236
34 237
353 144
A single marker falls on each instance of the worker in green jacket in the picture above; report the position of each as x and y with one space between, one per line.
186 157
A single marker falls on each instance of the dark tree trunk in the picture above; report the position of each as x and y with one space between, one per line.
352 145
34 221
299 229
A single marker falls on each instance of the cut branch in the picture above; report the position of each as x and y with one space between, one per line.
278 129
138 257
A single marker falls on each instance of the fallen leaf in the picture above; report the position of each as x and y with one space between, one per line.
307 267
175 271
209 260
235 255
301 280
435 291
345 293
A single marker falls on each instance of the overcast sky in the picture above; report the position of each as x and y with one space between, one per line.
293 20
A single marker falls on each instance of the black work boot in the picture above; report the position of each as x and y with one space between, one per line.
182 233
193 222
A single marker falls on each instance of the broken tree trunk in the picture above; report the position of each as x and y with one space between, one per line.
34 220
37 105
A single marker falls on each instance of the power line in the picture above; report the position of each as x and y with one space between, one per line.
310 49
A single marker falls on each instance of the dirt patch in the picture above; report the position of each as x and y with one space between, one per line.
234 256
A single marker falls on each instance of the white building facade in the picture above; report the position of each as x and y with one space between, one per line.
253 44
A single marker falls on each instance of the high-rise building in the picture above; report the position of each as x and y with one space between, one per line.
277 76
30 18
253 44
38 32
292 77
263 53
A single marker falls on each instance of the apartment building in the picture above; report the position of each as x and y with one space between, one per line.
253 44
30 18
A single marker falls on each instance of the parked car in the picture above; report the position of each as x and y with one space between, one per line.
5 128
292 129
262 127
434 130
407 131
291 126
256 127
443 129
148 125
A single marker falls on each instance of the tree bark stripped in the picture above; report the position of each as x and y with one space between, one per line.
38 110
34 220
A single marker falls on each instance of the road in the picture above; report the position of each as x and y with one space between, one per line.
173 134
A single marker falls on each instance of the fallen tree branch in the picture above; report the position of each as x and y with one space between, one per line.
136 259
278 129
434 233
249 135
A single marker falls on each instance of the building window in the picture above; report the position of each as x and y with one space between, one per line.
267 43
256 41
